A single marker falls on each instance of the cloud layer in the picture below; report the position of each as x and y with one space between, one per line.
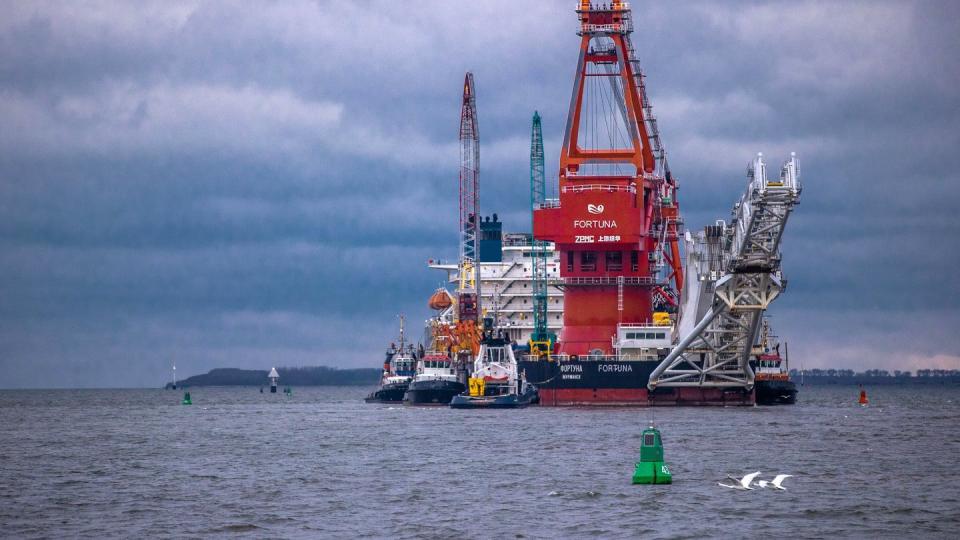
229 184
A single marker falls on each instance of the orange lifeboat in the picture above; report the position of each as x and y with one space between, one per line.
440 300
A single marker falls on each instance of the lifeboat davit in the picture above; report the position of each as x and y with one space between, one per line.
440 300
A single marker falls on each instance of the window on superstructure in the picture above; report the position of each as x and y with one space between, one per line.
634 261
588 261
614 261
569 261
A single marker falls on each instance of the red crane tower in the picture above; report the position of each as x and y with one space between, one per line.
616 222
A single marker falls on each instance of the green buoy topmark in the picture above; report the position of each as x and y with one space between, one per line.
186 399
651 469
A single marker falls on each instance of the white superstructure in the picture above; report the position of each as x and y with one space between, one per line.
507 288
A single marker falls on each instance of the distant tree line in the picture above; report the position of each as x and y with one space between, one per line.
289 376
876 376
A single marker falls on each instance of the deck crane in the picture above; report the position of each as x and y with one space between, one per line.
734 276
541 340
469 312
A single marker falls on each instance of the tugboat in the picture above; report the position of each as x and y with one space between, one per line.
495 384
772 379
435 382
398 371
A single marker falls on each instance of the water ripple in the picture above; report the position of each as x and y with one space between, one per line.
127 463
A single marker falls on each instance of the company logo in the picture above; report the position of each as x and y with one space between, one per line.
595 208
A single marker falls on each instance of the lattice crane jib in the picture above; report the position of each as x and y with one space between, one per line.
469 308
541 340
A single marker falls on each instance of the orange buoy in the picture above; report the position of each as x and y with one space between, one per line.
863 397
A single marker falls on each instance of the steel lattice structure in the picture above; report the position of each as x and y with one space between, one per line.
469 294
541 338
738 276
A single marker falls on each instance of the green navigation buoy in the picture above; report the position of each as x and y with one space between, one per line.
651 469
186 399
288 391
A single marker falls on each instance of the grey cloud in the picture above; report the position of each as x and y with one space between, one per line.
176 176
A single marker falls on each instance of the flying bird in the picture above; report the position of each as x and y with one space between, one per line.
743 483
775 483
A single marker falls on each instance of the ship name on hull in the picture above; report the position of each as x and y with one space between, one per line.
615 368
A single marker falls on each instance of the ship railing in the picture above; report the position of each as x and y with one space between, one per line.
517 240
624 6
643 281
641 324
549 203
608 188
615 28
561 358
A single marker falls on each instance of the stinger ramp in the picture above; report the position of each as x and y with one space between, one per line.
734 274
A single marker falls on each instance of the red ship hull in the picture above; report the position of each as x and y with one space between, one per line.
640 397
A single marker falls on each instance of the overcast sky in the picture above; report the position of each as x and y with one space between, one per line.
241 184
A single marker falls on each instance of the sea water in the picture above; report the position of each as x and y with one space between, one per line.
322 463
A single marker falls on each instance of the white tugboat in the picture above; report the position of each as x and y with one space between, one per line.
398 371
495 383
435 382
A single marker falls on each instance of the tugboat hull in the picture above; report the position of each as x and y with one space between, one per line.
512 401
388 393
432 392
776 392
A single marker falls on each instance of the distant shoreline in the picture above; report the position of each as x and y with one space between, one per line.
298 376
942 377
328 376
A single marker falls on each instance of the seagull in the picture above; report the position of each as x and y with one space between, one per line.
743 483
776 482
